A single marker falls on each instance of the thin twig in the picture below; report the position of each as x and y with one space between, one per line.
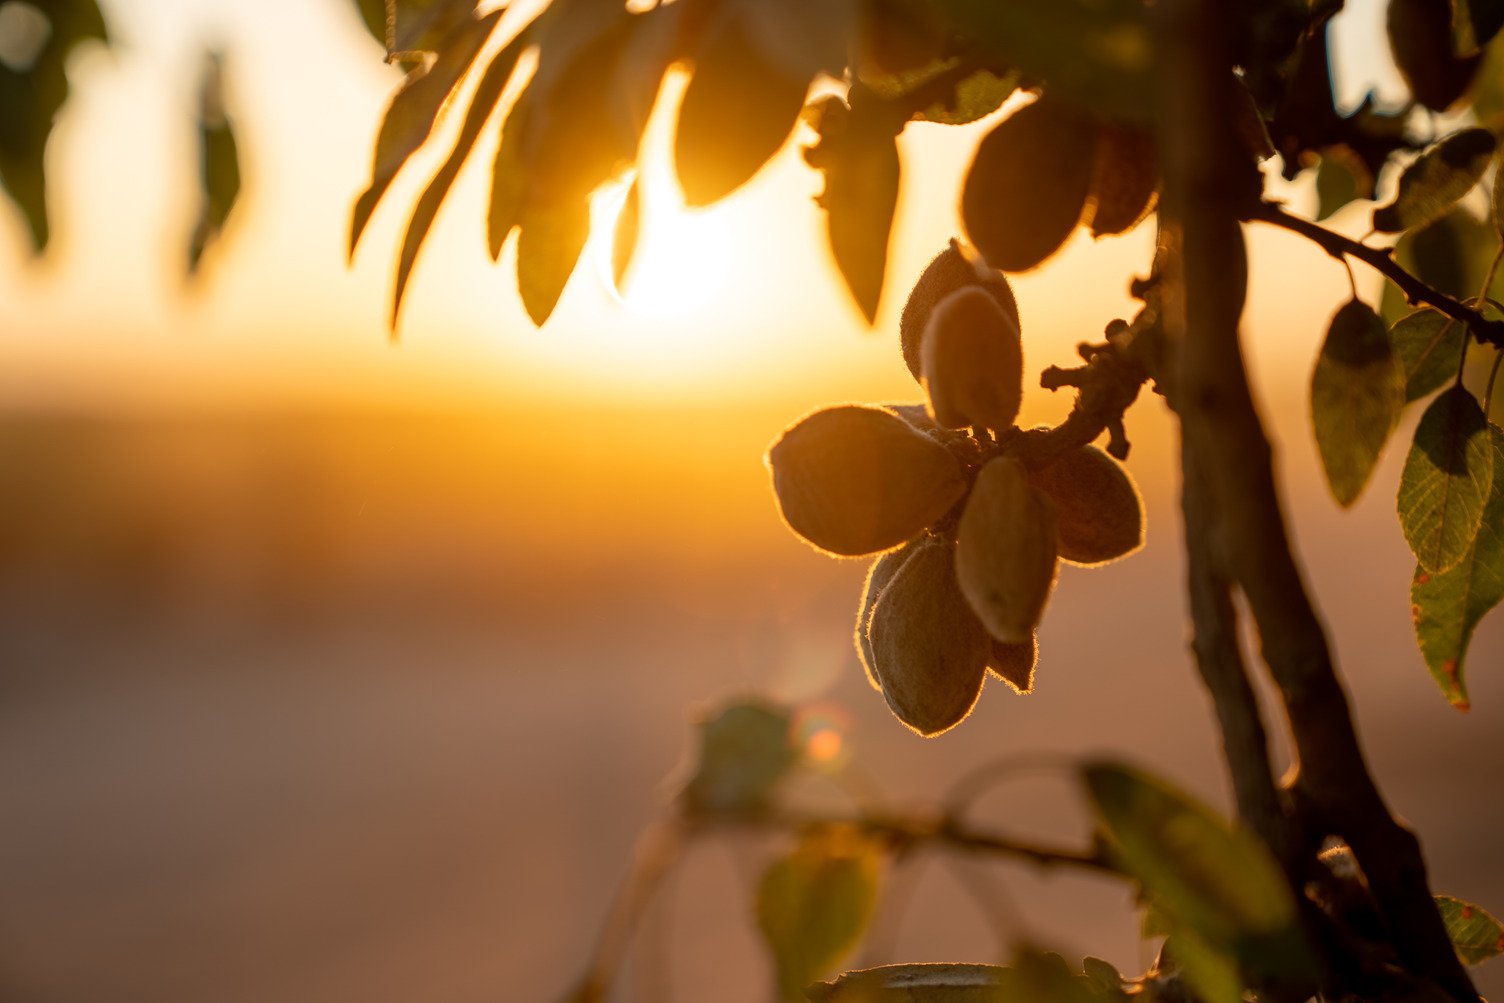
1382 260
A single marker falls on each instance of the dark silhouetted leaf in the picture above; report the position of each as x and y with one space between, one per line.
625 236
410 117
1357 392
1448 605
1102 54
482 103
1337 182
1487 17
897 38
1442 175
813 905
1420 36
1475 934
1452 255
413 26
738 109
1209 968
219 163
1124 180
33 86
745 750
1446 480
1218 886
858 154
975 96
1027 187
1428 345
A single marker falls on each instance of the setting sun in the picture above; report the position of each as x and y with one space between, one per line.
681 260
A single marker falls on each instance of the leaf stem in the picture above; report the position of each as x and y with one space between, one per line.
1486 331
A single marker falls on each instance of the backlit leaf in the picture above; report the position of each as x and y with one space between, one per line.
219 163
1475 934
1448 605
858 153
1357 391
1421 38
1442 175
814 904
548 246
1487 17
1199 872
1211 970
1336 182
1028 184
1447 478
1428 346
33 87
976 95
409 119
482 103
745 750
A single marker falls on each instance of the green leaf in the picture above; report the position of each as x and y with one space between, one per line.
409 118
814 904
33 87
1428 345
219 164
1475 934
1336 184
858 154
1103 974
413 25
1100 52
1446 480
548 246
1214 880
1448 605
976 96
1212 971
745 750
482 103
1357 392
1442 175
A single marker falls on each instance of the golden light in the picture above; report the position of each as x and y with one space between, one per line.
681 260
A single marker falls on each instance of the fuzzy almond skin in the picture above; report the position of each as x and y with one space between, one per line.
1014 663
972 362
1101 516
956 267
878 576
929 649
858 480
1005 551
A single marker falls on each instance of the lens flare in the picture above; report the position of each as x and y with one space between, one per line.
681 260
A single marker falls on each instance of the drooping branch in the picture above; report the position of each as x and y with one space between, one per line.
1381 259
1205 189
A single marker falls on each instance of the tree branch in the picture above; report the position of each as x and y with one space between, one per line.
1487 332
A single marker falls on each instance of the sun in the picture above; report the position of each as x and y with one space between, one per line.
682 258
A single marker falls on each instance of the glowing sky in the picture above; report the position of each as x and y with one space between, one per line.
279 320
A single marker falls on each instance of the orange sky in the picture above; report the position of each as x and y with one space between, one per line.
279 320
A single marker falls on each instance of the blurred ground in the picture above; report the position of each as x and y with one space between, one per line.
373 707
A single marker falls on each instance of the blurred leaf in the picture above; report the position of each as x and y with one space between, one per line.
1487 17
1211 971
814 904
625 237
1442 175
410 116
1476 935
1357 391
373 16
1028 184
33 86
975 96
1125 178
1100 52
1103 974
482 103
219 163
858 153
417 25
549 243
1336 182
1421 37
1448 605
1428 345
1209 879
745 750
924 983
1447 478
740 106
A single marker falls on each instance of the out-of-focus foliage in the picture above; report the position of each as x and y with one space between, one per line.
219 166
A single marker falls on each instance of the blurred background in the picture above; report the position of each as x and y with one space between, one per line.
334 668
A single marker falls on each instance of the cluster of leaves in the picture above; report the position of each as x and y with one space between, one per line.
1228 915
969 527
1451 504
35 42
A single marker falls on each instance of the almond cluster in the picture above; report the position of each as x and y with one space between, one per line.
968 537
